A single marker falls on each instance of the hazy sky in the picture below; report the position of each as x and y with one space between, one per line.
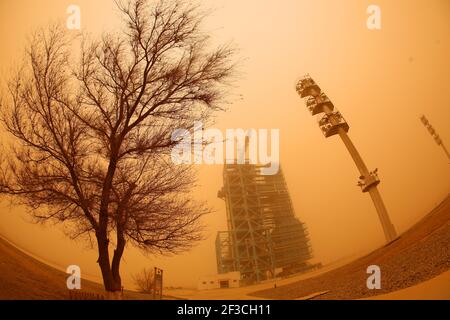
381 81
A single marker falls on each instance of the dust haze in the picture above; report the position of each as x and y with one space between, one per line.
382 81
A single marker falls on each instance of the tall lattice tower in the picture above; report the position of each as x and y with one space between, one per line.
263 233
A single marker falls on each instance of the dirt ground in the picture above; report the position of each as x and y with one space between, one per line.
420 254
25 278
420 259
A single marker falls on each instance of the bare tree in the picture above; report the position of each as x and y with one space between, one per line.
92 138
144 280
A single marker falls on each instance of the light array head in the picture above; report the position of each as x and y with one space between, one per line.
307 87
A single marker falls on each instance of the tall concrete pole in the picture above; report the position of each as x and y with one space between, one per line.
446 151
388 227
332 123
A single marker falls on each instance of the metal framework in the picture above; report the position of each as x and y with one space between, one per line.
263 233
331 122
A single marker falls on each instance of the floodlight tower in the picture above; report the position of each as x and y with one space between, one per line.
434 134
333 123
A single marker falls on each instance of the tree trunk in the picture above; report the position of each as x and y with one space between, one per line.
115 266
103 261
102 233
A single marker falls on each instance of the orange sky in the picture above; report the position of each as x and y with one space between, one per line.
381 81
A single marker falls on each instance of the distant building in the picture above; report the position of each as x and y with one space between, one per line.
263 236
219 281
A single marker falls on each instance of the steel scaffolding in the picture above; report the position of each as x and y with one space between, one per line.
263 233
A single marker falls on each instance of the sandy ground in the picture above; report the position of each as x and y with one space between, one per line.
420 254
244 293
416 266
435 289
25 278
